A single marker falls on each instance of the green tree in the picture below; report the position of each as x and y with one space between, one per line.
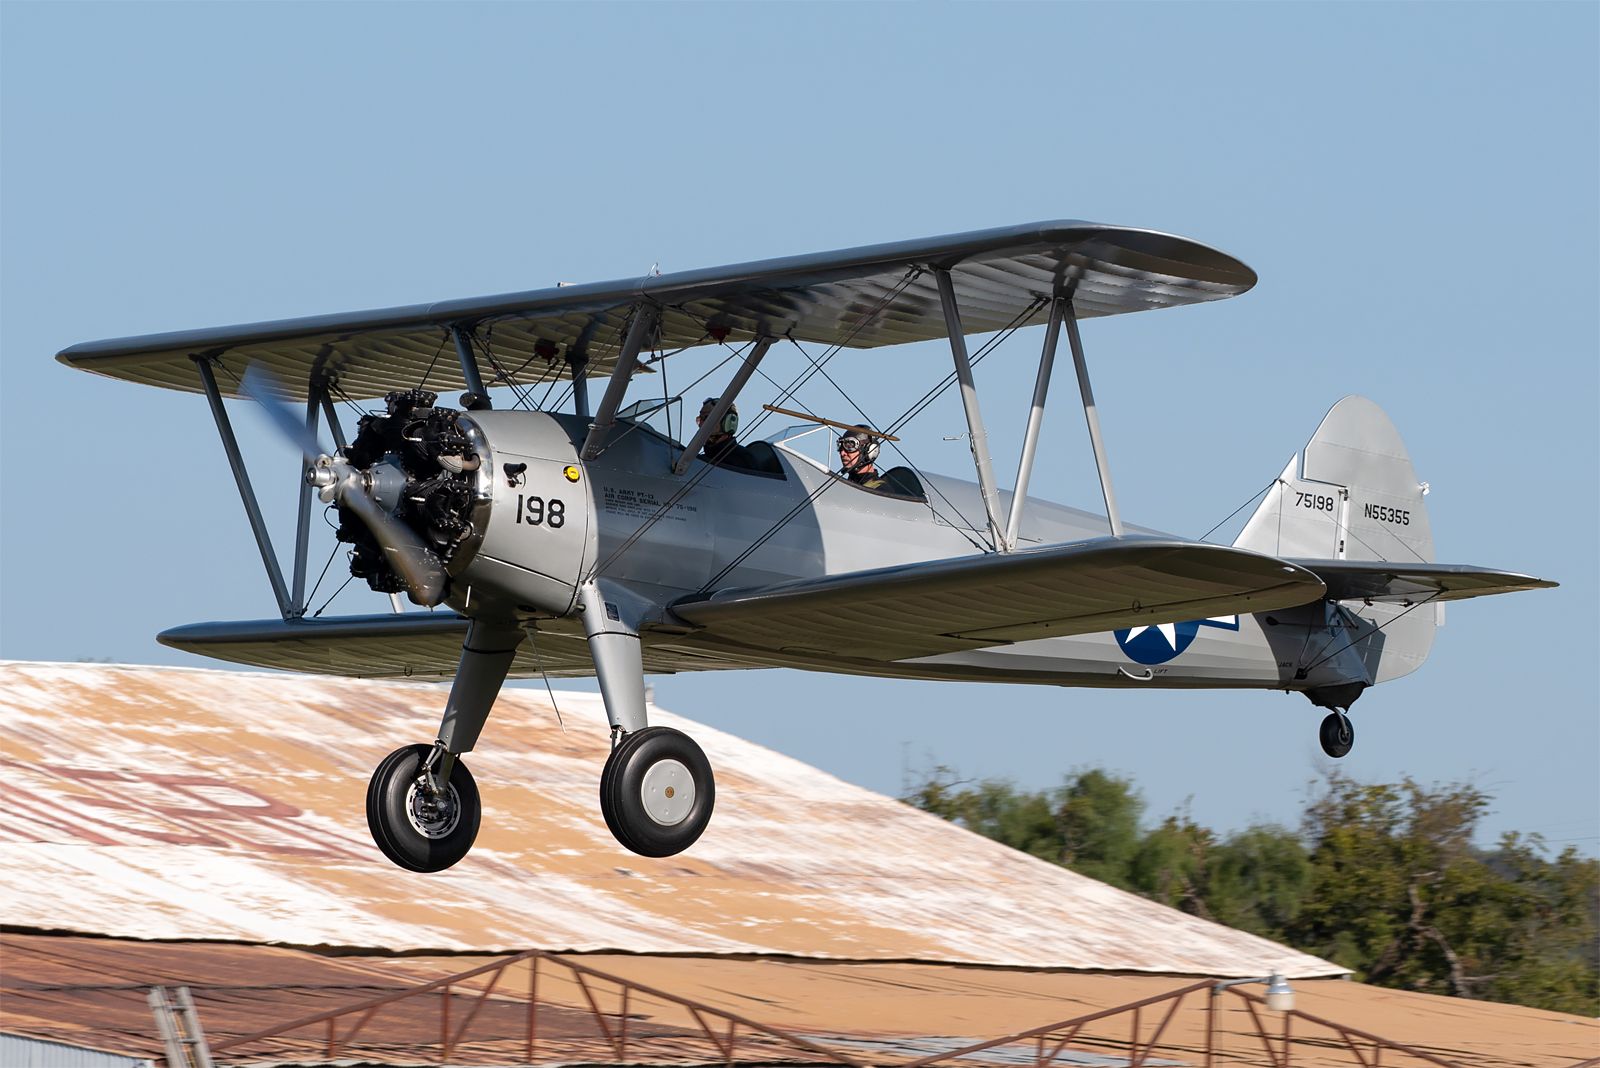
1382 878
1098 816
1399 894
1257 881
1090 823
1171 864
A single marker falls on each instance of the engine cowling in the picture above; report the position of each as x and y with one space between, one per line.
499 499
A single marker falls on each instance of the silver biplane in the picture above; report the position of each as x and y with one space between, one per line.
586 541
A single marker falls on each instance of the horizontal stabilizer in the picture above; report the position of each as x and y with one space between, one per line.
914 610
1400 583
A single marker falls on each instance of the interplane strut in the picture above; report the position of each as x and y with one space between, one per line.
977 437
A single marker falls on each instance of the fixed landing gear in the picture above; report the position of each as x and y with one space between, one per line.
1337 734
657 792
422 820
422 805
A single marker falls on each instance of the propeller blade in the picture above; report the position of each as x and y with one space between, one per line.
260 387
411 559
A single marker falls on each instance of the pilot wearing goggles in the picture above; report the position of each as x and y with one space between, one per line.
858 455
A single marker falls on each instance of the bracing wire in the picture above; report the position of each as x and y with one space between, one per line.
312 596
811 498
1247 503
501 375
823 487
926 482
672 501
677 496
1430 599
815 367
749 550
336 593
435 361
543 674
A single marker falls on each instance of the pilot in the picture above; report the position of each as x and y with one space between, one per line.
720 449
858 455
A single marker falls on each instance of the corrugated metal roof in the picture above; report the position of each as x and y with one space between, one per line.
189 804
19 1052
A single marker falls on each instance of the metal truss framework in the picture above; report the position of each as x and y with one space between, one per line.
719 1036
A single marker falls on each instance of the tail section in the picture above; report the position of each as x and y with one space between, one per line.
1352 495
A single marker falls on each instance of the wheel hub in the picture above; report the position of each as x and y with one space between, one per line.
667 792
432 816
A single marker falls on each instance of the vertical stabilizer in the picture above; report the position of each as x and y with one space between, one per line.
1352 494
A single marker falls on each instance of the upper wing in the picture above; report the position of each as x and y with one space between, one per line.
913 610
838 298
1395 582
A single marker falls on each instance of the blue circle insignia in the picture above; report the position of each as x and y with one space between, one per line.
1157 644
1164 641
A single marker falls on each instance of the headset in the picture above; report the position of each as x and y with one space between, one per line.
865 442
730 418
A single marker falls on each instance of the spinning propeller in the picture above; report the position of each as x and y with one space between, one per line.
338 481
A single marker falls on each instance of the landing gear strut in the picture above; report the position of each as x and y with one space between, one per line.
656 791
422 805
1337 734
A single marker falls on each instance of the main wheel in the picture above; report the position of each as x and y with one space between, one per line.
656 792
1337 734
417 831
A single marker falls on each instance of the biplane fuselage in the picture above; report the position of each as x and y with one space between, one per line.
673 537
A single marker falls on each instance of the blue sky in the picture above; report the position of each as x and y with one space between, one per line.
1415 184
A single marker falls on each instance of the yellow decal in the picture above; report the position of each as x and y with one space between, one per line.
571 472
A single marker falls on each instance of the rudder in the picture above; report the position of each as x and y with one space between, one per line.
1350 494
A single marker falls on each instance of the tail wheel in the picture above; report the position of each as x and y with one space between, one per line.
657 792
415 828
1337 734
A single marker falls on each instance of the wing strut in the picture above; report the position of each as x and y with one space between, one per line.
724 402
579 362
1030 441
643 325
247 494
469 363
332 415
976 435
1092 416
302 526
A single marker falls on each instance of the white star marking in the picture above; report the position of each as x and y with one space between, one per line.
1168 631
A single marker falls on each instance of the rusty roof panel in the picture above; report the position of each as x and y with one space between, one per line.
195 804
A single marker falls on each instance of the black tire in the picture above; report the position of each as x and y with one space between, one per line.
1337 734
404 829
605 791
661 762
